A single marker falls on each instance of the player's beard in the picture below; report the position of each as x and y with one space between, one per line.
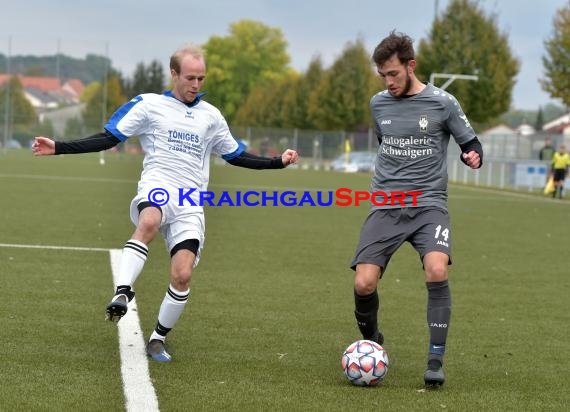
408 86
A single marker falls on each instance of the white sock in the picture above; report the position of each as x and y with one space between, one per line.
132 262
171 308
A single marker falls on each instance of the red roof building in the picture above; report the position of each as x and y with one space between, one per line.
52 88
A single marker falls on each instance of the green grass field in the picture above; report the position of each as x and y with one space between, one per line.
271 308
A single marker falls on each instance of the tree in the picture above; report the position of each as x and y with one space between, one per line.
87 70
252 111
146 79
299 101
556 62
93 116
290 107
539 122
74 128
268 106
22 117
21 113
283 103
43 128
341 99
156 80
90 91
137 84
464 40
252 55
34 71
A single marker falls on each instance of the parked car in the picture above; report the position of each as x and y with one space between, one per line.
11 144
354 162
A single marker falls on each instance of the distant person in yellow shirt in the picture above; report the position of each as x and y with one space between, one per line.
560 164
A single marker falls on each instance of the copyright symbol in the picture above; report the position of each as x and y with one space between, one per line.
158 196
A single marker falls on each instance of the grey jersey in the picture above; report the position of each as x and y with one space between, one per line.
414 133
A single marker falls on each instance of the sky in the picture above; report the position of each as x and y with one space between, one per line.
134 31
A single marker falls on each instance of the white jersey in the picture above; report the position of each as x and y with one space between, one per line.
177 139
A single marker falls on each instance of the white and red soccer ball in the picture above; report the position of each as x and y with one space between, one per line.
365 363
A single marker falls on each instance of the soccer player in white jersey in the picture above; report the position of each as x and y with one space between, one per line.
414 122
178 132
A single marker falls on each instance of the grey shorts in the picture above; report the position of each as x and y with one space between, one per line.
385 230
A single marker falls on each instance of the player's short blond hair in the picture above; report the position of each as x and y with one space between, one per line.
189 49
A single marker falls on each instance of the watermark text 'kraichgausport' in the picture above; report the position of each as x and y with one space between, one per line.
317 198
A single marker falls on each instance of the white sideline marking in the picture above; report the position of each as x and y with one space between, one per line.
137 386
78 248
66 178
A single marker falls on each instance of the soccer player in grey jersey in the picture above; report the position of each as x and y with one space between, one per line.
414 122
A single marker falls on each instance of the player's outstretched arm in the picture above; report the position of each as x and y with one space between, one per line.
43 146
252 161
289 157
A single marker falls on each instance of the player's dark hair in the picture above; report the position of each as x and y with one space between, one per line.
396 43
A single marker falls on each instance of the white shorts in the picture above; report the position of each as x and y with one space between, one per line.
178 223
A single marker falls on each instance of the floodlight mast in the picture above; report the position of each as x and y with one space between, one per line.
451 77
7 105
104 98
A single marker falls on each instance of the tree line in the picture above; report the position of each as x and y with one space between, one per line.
250 79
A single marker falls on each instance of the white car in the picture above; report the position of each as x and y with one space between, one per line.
354 162
11 144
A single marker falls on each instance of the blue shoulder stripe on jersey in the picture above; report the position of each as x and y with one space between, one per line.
191 104
235 153
111 125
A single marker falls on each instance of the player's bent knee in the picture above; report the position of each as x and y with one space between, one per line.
436 273
181 274
150 217
365 283
435 266
364 289
148 226
183 257
181 282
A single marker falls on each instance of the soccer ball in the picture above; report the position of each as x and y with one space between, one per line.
365 363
